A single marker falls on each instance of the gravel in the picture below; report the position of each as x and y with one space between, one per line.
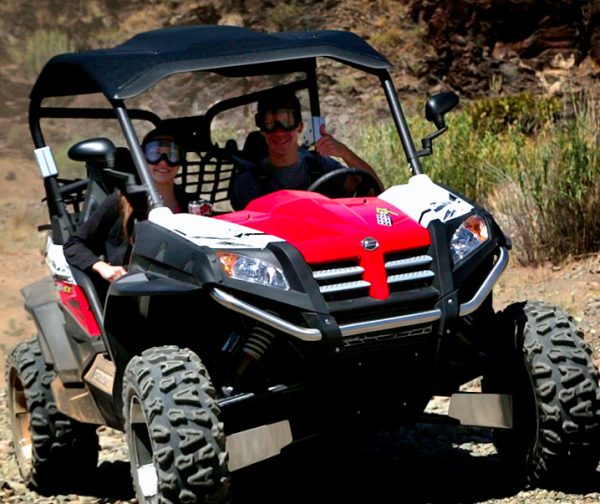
428 464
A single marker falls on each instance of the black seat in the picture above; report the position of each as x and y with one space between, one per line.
255 147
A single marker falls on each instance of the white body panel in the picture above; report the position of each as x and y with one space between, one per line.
425 201
209 232
56 261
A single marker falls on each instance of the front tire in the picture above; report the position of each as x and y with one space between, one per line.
54 452
548 368
176 441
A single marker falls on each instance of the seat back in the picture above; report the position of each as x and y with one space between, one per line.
101 184
255 147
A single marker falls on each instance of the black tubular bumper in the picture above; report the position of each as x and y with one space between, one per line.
384 324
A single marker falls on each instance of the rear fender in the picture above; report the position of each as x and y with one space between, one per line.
43 303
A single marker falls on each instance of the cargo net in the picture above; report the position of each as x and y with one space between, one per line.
207 176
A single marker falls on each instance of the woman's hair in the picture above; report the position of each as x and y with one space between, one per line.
158 133
126 210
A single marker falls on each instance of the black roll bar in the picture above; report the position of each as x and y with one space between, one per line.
136 153
401 124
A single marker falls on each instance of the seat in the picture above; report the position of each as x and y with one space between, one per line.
255 147
101 184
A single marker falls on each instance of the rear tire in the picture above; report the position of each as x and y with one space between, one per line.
53 451
175 439
547 366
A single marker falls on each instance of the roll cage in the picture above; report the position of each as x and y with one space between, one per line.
127 70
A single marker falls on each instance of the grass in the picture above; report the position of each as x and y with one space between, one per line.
15 329
41 45
534 162
19 229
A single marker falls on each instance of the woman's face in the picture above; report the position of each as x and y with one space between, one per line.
163 157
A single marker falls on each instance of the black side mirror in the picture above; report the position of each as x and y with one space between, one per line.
99 150
438 105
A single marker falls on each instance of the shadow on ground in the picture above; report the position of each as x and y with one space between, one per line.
379 468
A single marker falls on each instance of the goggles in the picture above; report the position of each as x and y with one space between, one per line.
162 149
271 120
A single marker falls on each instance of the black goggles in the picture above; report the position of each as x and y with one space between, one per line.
271 120
162 149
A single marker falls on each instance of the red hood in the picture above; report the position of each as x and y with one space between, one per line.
326 230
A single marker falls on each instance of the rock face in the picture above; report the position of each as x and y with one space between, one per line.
516 44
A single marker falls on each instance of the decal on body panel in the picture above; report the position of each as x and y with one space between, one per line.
55 259
424 201
209 232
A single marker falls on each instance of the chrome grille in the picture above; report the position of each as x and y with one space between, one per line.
408 271
344 279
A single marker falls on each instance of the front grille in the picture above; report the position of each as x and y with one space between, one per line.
408 336
406 271
344 280
341 280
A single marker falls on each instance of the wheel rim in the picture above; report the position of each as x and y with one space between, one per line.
20 421
141 453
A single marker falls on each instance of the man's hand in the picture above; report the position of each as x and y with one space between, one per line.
109 272
329 146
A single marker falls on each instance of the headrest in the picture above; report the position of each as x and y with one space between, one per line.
255 147
124 161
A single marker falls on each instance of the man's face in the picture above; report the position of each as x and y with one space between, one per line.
281 131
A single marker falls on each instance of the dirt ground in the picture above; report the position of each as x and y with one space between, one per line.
574 285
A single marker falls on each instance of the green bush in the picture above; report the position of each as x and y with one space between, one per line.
538 174
523 111
40 47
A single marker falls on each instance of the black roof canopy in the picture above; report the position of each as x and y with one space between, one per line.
133 67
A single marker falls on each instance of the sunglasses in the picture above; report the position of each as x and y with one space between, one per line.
163 149
271 120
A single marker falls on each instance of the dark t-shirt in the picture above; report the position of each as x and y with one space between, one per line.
262 178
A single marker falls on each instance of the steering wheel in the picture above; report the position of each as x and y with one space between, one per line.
368 185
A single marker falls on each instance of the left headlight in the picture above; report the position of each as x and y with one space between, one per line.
251 269
470 235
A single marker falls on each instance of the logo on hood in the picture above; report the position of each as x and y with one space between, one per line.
370 244
384 216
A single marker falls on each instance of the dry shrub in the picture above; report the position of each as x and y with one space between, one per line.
550 203
515 212
19 228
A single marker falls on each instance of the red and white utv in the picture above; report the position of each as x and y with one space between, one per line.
235 335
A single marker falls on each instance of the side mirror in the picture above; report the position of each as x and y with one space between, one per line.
439 105
100 150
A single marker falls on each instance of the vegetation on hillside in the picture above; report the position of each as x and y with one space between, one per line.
534 162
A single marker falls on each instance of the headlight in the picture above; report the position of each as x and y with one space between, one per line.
251 269
472 233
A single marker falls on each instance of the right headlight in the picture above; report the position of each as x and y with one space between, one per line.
470 235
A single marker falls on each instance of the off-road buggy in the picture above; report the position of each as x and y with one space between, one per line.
235 335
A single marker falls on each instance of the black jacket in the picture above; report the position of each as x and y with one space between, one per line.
100 237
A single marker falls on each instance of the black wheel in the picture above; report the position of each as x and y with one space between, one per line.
367 184
53 451
176 441
546 365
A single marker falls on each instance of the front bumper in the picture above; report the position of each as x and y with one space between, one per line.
370 326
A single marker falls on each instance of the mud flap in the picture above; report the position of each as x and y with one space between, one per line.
482 410
253 445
